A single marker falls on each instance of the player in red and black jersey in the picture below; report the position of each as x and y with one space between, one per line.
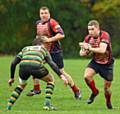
53 33
98 42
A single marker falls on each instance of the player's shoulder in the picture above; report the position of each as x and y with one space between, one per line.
53 21
25 48
104 34
38 21
87 38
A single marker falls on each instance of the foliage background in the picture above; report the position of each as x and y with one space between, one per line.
18 17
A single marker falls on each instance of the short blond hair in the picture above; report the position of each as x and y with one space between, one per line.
44 8
95 23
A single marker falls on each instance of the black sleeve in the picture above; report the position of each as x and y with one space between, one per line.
52 65
13 66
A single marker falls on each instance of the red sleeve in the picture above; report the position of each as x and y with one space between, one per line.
55 26
87 38
105 37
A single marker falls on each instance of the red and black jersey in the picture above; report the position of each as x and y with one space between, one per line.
49 29
95 42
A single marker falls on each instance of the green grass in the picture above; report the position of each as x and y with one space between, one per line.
63 97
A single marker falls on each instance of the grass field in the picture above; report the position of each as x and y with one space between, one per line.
63 98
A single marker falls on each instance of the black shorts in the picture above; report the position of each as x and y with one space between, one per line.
58 59
26 71
105 70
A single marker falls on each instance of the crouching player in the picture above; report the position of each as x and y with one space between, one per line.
31 60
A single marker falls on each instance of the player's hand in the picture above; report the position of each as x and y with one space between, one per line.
84 45
80 44
64 79
10 81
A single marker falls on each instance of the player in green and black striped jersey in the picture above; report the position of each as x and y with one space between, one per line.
31 62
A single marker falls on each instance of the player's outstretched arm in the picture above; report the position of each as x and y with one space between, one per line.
12 69
56 69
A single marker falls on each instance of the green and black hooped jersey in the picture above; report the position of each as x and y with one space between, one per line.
33 55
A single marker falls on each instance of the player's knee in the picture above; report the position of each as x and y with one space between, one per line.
36 81
51 79
87 77
107 90
22 83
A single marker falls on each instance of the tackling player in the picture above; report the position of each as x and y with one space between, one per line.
30 61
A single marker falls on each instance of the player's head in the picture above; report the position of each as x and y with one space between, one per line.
94 28
38 40
44 13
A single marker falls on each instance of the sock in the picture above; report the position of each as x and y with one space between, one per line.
91 85
49 92
14 96
37 87
75 88
107 97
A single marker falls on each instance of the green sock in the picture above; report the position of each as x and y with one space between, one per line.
14 96
49 92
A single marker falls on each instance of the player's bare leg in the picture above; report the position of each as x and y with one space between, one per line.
75 89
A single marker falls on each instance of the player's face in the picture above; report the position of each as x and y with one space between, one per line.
93 31
44 15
